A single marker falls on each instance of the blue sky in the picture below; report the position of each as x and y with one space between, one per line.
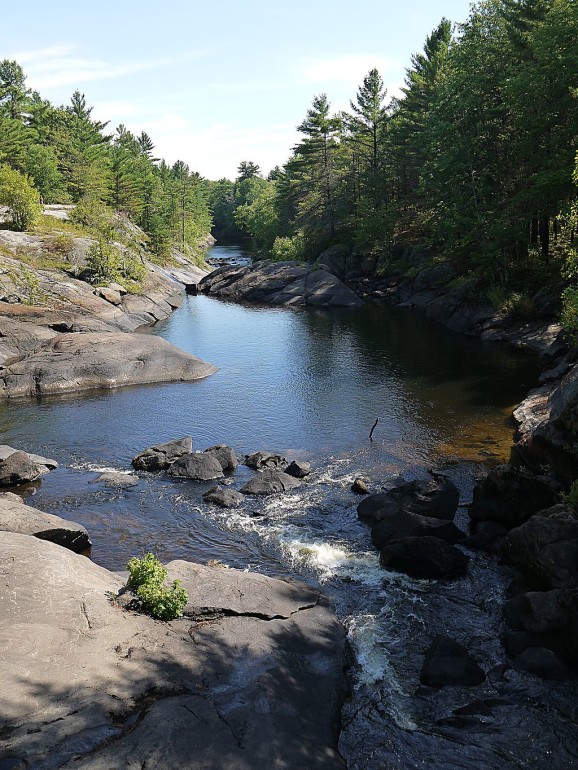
215 83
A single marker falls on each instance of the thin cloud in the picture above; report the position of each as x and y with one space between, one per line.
57 66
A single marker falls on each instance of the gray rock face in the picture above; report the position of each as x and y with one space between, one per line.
434 496
280 283
160 456
545 548
224 455
424 557
74 362
448 663
223 497
197 467
404 524
19 468
17 517
509 496
260 460
259 687
268 482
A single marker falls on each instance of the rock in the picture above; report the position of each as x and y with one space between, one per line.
545 548
74 362
542 662
160 456
17 517
509 496
402 525
298 469
115 479
109 294
424 557
224 456
44 463
448 664
224 497
258 687
197 466
486 536
260 460
269 482
436 497
360 487
19 468
280 283
542 611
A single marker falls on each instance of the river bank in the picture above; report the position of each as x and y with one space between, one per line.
311 382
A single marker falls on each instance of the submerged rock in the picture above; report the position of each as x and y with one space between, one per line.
448 664
116 479
160 456
268 482
224 497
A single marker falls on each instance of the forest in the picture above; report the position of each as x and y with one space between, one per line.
473 164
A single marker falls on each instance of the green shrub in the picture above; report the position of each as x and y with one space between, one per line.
571 496
20 196
147 576
288 249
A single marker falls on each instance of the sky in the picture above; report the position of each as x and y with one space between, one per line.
220 81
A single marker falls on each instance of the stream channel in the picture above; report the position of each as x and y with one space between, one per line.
309 384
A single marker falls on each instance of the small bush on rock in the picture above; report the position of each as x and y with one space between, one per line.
147 576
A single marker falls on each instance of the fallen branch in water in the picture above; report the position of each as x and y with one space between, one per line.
373 428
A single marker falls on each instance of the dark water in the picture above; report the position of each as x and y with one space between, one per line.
310 384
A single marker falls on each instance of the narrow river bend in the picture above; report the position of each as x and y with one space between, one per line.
309 384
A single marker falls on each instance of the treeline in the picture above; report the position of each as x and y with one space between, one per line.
475 159
62 154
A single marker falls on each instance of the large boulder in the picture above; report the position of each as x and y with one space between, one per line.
298 468
280 283
259 687
424 557
435 496
268 482
160 456
73 362
509 496
224 455
198 466
260 460
447 663
19 468
545 548
17 517
402 525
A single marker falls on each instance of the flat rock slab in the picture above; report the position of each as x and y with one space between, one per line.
74 362
86 684
115 479
17 517
280 283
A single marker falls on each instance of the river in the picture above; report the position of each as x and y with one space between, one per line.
309 384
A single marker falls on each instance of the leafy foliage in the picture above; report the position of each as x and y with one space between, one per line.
20 196
147 576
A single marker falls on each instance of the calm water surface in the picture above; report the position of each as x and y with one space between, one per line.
310 384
